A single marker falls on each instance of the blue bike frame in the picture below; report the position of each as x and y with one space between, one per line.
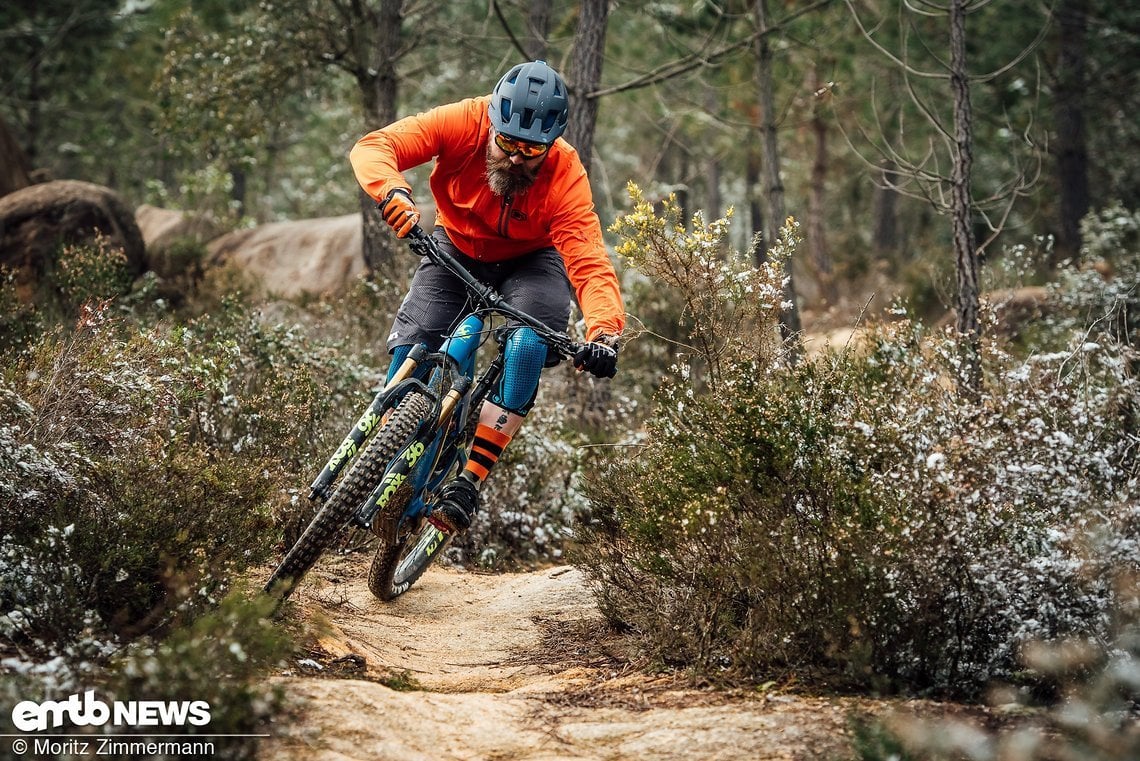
435 447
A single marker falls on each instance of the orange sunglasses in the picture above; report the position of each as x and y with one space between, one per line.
510 146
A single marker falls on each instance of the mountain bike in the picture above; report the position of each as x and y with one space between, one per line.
414 436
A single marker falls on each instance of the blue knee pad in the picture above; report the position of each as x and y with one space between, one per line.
399 354
525 356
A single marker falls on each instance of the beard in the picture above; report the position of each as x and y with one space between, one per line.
508 179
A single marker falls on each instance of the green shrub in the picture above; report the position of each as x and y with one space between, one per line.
90 273
1076 701
852 517
220 657
102 448
1102 289
19 321
140 469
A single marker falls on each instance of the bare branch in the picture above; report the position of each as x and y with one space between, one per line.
1024 53
891 56
507 28
936 9
698 59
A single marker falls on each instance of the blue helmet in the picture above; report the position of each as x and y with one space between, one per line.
529 103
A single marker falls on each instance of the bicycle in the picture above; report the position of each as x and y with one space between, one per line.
415 435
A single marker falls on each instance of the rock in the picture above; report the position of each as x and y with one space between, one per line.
37 220
1013 309
166 231
312 256
836 341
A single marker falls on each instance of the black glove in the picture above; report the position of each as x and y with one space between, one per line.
598 357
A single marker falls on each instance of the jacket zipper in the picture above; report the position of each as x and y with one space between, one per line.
505 214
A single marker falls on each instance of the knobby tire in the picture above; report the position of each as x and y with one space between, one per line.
400 561
350 493
405 552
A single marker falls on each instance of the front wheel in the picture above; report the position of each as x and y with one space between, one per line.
350 493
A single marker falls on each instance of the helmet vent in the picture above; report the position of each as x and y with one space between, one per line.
530 103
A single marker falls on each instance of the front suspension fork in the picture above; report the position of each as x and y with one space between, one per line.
404 464
367 424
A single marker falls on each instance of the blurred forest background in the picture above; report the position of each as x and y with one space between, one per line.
868 519
246 110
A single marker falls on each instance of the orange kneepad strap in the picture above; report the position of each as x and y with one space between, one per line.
485 450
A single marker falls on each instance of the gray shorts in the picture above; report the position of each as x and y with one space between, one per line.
536 283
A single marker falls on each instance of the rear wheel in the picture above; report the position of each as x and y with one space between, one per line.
350 493
399 564
406 550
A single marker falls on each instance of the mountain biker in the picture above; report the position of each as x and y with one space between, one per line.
513 205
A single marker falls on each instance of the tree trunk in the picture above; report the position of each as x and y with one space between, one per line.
1072 151
790 317
35 110
712 167
238 179
378 87
586 69
15 170
756 208
816 238
965 252
885 230
538 29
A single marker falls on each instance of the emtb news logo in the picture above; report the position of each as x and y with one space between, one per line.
29 716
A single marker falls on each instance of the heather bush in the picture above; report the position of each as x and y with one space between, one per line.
89 273
140 470
851 516
220 657
19 321
1077 700
1101 290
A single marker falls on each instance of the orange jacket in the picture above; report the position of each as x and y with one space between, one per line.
557 210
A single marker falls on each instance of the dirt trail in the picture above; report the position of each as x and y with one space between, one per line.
503 667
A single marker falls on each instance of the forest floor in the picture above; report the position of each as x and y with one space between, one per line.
515 666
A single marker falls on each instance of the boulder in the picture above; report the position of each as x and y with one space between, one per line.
36 221
170 237
162 227
1013 309
312 256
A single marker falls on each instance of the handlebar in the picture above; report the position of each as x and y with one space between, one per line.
422 243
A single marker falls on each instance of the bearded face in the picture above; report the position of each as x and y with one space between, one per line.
505 177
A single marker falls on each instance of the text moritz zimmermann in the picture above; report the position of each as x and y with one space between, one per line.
117 746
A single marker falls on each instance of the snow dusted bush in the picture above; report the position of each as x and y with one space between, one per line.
138 470
219 657
853 515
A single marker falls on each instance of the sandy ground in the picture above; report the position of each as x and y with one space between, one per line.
517 666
